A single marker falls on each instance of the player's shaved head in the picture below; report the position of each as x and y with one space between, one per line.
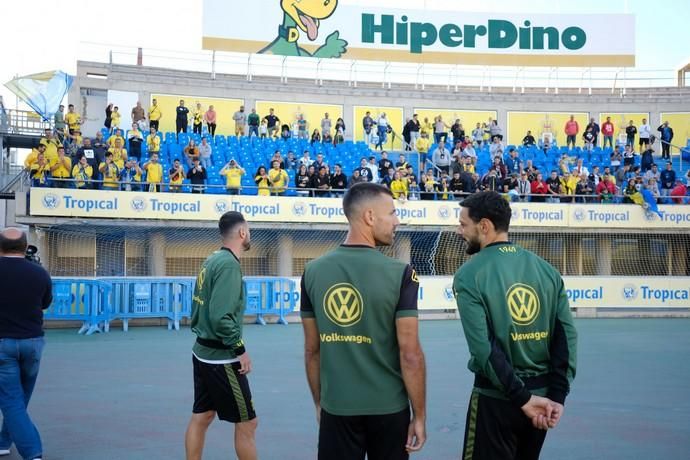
12 241
359 195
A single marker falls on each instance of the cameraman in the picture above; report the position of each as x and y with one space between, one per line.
21 341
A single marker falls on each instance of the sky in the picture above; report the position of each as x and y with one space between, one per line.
65 30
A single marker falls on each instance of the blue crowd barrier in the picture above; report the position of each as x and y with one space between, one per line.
97 302
81 300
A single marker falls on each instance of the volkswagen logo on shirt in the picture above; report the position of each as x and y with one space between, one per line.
51 201
221 206
523 304
579 214
138 204
444 212
343 304
299 209
629 292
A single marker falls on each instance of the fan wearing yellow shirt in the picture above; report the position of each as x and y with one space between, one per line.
110 172
61 169
568 184
176 175
422 145
154 173
116 115
33 156
117 136
278 178
261 180
82 173
155 115
52 144
399 186
426 127
72 118
119 154
233 177
197 118
39 170
153 142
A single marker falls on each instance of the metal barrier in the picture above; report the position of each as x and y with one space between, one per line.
97 302
81 300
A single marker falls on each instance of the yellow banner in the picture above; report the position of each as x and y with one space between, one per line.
103 204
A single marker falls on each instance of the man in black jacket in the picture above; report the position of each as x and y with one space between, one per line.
197 176
27 291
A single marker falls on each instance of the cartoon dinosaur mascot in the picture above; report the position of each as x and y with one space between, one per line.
305 15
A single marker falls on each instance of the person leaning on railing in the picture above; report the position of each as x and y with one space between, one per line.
111 173
61 170
262 182
278 179
39 169
82 173
233 177
154 173
131 176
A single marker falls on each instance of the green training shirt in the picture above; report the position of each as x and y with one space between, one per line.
356 293
517 323
218 306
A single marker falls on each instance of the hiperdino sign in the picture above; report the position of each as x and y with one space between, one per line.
332 29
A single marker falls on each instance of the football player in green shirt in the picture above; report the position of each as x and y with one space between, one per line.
364 363
221 362
520 335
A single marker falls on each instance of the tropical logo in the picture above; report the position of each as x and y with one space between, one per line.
221 206
138 204
51 201
299 209
343 304
629 292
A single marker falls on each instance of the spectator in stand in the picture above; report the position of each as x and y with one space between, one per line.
31 157
580 168
59 123
302 127
139 116
407 139
652 185
571 131
253 121
554 192
364 171
197 176
240 119
630 132
616 158
368 125
277 156
458 131
290 162
339 137
645 134
668 180
181 120
621 174
496 148
440 127
326 125
191 152
322 183
93 158
413 193
117 136
153 142
491 182
595 131
72 119
679 192
82 173
568 185
496 131
305 160
631 189
176 176
666 137
356 178
431 186
402 163
210 117
531 171
499 167
422 145
589 138
595 177
204 153
384 164
263 129
327 138
512 163
302 181
382 130
131 176
456 186
154 173
628 156
262 182
607 130
441 157
272 123
606 190
582 189
233 177
135 139
278 179
61 169
110 173
197 119
528 140
539 189
39 169
108 122
414 128
339 181
155 115
647 159
398 187
116 116
653 173
374 169
524 187
315 137
478 135
285 133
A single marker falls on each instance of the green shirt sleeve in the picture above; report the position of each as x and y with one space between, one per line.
225 305
562 349
487 358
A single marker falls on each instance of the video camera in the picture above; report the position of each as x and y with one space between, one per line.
31 254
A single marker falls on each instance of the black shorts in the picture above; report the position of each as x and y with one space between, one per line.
221 388
497 429
644 140
379 437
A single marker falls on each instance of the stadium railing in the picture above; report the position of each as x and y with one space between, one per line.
81 300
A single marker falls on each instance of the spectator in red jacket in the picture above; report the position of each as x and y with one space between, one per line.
679 192
571 130
606 189
539 189
607 130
